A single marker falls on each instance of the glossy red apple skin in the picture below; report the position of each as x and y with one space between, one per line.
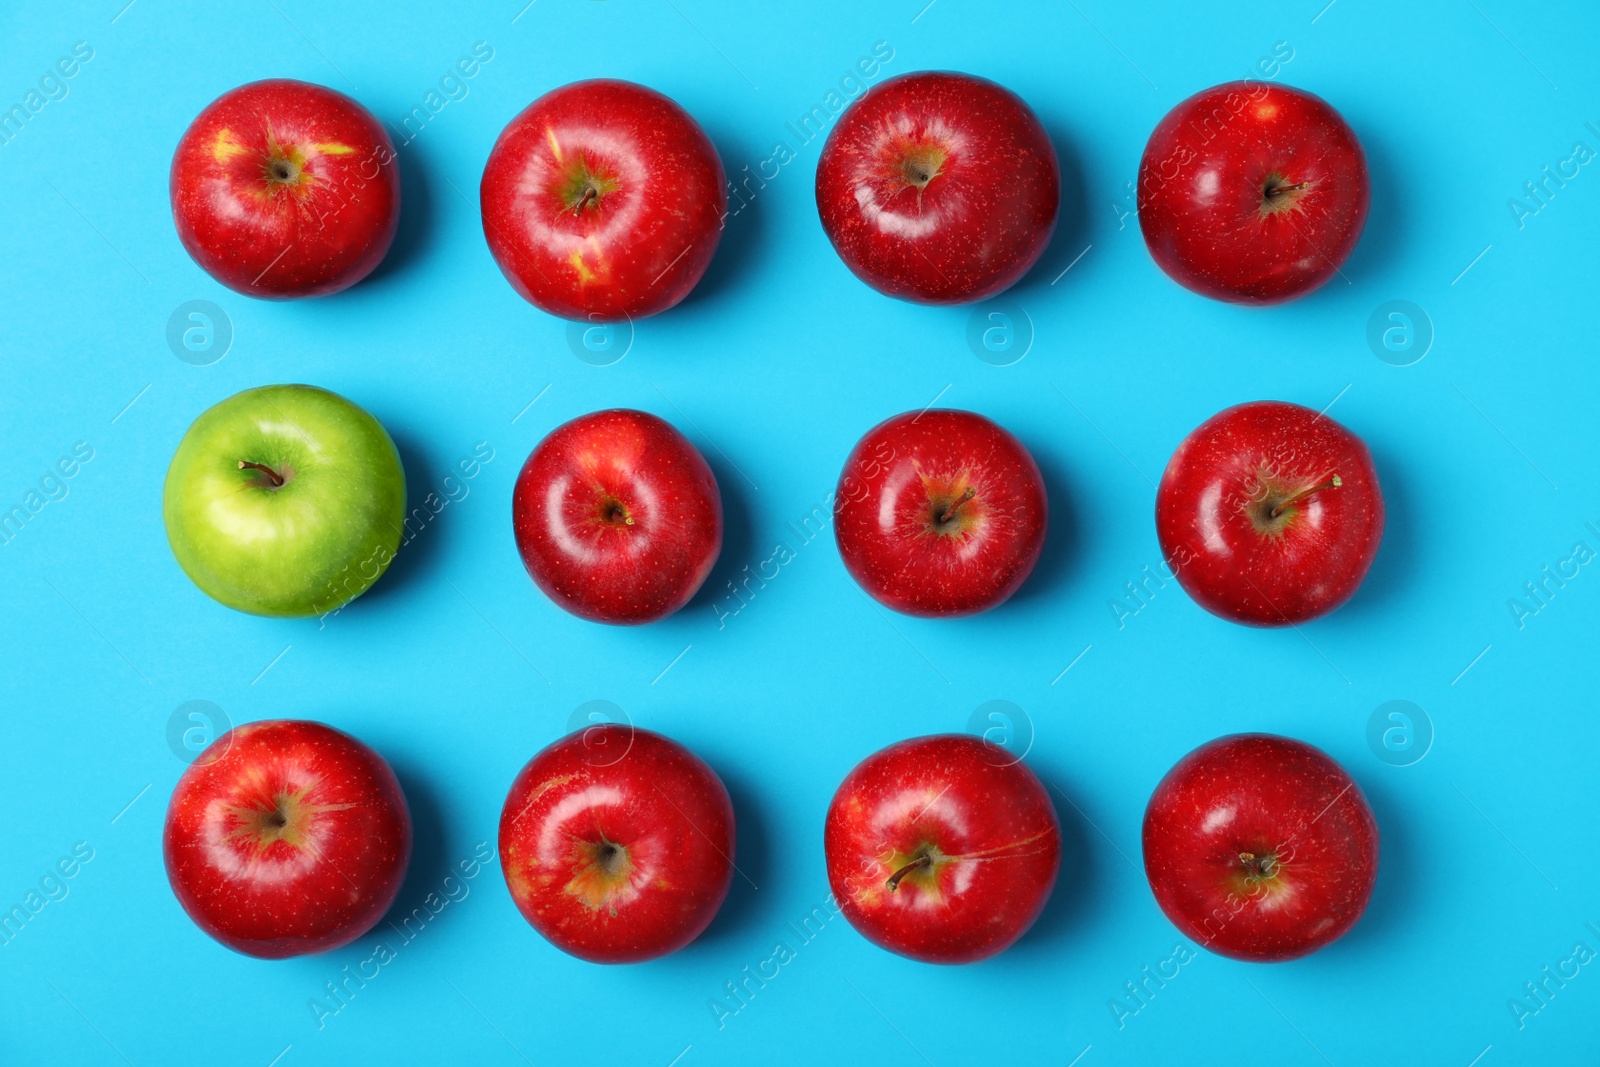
323 878
617 844
1204 206
1308 831
905 475
986 825
939 188
1213 514
645 236
618 517
324 228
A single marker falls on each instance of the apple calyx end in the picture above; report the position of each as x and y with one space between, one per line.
610 857
283 167
920 163
601 874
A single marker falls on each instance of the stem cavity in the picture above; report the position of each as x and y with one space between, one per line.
1332 483
894 879
274 479
1258 866
950 512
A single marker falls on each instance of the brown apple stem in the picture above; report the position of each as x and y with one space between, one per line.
273 476
589 194
894 879
617 515
950 512
1278 190
1332 483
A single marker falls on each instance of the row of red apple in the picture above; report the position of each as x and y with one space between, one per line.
617 844
290 500
604 200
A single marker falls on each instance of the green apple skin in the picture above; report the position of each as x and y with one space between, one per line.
301 548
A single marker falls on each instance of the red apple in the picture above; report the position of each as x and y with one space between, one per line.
939 188
283 189
602 201
286 837
1251 192
617 517
942 848
1260 847
1270 514
940 513
617 844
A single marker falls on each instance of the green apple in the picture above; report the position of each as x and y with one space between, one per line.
285 500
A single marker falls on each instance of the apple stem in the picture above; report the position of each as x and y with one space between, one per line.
618 516
894 879
1332 483
1272 191
273 476
1258 866
950 512
589 193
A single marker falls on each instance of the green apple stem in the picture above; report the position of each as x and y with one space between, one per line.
1332 483
894 879
950 512
273 476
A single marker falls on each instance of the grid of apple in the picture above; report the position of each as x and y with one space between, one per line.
602 201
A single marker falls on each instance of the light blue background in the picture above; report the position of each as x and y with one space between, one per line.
457 669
